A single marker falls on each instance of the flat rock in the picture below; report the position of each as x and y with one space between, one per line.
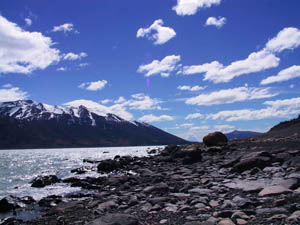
202 191
273 190
115 219
273 211
226 221
294 217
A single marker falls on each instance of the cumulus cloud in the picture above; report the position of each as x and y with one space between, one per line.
106 101
72 56
152 118
194 116
121 99
189 88
102 110
28 21
213 21
190 7
217 72
10 93
276 109
157 32
284 75
224 128
163 67
23 51
288 38
227 96
187 125
143 102
93 86
67 27
61 69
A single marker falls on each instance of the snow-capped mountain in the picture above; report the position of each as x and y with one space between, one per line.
28 124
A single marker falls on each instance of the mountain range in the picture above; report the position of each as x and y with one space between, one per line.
28 124
237 134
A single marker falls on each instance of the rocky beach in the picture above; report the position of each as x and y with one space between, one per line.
247 181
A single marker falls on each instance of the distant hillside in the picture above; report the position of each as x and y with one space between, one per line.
286 128
27 124
241 134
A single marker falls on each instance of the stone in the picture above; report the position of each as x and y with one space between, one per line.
253 159
107 206
277 217
160 187
42 181
115 219
226 221
201 191
273 211
6 206
240 215
295 217
213 203
241 222
215 139
273 190
108 165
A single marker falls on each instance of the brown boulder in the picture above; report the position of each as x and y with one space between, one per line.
215 139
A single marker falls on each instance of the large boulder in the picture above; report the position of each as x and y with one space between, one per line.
215 139
42 181
108 165
7 205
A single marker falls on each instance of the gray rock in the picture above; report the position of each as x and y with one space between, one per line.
295 217
215 139
273 190
226 221
201 191
115 219
107 205
273 211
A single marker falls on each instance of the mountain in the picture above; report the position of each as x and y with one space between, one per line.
285 128
241 134
28 124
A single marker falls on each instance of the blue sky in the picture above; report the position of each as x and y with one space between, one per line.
186 66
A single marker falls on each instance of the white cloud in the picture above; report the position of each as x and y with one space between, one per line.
121 99
7 85
143 102
230 96
224 128
284 75
102 110
106 101
23 51
292 86
93 86
186 125
163 67
161 34
72 56
217 72
194 116
288 38
9 93
286 108
152 118
83 64
61 69
189 88
67 27
190 7
28 21
213 21
199 128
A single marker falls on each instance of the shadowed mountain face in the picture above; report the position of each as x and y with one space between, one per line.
241 134
27 124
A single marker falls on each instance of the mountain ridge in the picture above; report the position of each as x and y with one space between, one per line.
28 124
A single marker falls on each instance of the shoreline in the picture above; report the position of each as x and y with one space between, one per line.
244 182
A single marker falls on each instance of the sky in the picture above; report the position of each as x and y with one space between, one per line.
189 67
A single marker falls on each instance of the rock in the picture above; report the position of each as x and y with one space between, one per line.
6 205
268 211
115 219
160 187
242 202
42 181
107 206
295 217
226 221
277 217
201 191
240 215
273 190
50 201
80 170
133 201
213 203
215 139
108 165
254 159
241 222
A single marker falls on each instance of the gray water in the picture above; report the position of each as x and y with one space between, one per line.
19 167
